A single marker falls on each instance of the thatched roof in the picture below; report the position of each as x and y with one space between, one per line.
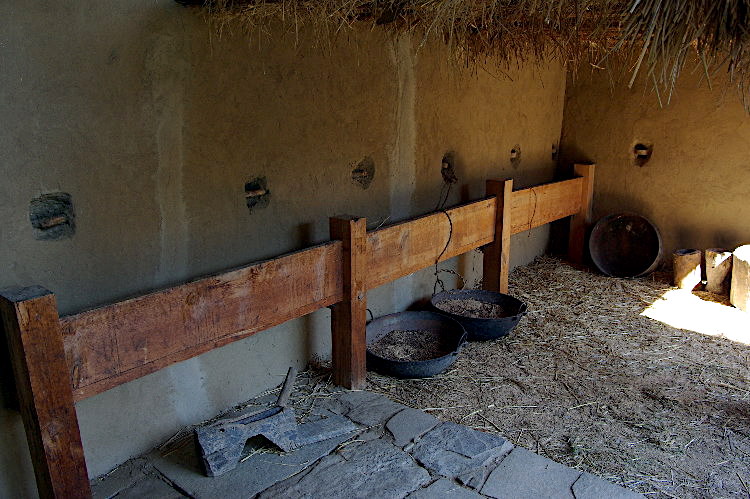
651 37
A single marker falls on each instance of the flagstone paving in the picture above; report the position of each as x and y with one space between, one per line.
393 451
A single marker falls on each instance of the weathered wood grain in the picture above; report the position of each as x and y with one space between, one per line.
407 247
109 346
544 203
349 318
32 330
580 222
496 258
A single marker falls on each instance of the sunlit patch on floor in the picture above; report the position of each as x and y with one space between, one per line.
685 310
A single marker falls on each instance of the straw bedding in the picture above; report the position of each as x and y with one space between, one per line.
587 381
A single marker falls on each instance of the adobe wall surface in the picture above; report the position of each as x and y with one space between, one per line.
695 186
154 124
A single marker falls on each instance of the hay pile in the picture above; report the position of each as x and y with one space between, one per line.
589 382
628 36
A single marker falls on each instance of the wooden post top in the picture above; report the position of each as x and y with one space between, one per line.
15 294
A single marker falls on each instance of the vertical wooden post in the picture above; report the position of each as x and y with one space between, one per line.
579 223
496 263
45 394
349 318
739 294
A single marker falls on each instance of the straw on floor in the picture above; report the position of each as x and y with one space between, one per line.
589 382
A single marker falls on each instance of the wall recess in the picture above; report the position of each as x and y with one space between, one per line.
52 216
515 156
642 153
257 194
364 172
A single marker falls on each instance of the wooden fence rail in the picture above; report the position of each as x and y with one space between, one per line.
59 361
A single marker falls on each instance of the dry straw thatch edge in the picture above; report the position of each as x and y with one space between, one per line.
650 38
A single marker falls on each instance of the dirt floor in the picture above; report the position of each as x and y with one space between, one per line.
588 381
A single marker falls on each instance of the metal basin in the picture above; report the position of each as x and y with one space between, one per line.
625 245
481 329
450 330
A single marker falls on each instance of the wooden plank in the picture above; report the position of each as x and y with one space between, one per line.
112 345
581 221
349 318
544 203
407 247
32 330
496 259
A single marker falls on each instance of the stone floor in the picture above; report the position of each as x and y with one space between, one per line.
390 451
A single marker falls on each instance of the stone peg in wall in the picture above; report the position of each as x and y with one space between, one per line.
718 270
686 264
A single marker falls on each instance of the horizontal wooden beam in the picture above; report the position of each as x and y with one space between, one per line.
404 248
544 203
108 346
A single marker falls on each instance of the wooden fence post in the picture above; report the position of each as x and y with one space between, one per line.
45 394
496 262
349 317
579 223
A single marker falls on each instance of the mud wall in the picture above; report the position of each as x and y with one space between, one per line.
694 186
155 125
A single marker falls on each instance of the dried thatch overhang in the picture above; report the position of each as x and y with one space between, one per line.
651 37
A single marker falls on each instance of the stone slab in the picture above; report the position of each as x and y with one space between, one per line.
184 468
120 478
352 399
444 488
374 412
589 486
457 452
150 487
222 441
374 469
410 424
525 475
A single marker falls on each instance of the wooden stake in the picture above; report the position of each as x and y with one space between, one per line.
349 317
718 270
581 221
686 266
740 292
32 330
496 262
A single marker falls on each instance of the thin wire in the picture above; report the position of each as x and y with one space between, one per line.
437 260
533 213
441 207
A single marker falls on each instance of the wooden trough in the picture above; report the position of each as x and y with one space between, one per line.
58 361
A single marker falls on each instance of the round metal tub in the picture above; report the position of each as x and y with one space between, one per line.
480 329
625 245
450 330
